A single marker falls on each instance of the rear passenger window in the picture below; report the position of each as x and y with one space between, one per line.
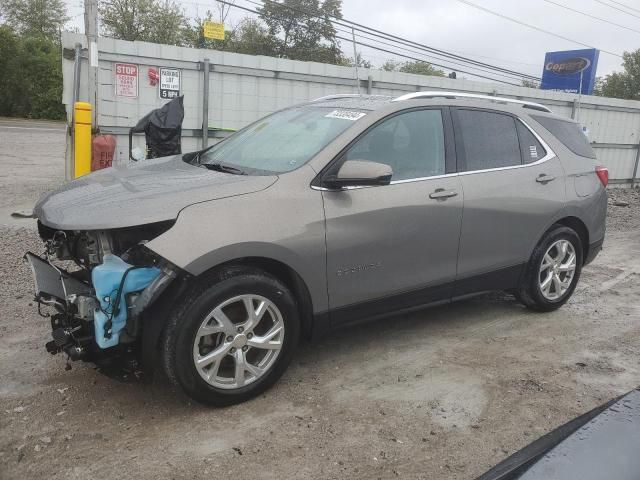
532 151
569 133
489 140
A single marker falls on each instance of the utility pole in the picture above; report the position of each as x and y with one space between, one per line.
355 59
91 31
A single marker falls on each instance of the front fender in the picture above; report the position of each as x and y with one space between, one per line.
283 223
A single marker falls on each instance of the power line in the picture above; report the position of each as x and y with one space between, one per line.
511 19
591 16
387 36
421 60
618 9
429 57
393 52
625 6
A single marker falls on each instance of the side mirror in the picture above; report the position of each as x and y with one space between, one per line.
359 173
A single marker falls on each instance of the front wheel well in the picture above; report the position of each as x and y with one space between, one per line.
287 275
578 226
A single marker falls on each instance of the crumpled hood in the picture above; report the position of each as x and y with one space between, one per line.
146 192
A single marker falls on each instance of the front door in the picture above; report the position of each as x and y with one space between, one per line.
395 246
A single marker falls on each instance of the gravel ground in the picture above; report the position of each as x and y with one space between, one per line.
443 393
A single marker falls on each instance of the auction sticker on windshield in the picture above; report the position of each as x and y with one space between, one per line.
345 115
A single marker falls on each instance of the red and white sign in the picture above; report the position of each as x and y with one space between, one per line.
126 80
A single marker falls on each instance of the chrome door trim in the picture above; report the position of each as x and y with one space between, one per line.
550 154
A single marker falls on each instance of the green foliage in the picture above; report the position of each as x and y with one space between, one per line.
530 84
417 68
302 29
157 21
249 36
33 75
35 18
362 63
624 84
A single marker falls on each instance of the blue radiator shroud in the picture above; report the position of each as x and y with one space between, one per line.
106 279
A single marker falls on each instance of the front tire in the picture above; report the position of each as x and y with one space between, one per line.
553 271
231 336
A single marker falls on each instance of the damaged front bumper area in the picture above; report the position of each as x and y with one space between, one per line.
97 309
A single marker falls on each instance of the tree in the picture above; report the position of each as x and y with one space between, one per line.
42 18
624 84
362 63
248 36
417 67
421 68
530 83
32 67
302 29
157 21
390 66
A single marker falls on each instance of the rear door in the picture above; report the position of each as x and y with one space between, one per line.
395 246
513 186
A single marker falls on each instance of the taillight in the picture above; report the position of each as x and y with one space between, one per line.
603 175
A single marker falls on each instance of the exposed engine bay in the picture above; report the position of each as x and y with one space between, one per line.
98 284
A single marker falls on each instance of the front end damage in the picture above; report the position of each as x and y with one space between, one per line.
96 288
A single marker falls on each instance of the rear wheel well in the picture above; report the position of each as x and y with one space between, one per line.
578 226
289 277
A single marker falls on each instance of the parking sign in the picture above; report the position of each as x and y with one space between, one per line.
169 86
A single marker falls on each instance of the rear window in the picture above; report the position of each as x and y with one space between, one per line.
569 134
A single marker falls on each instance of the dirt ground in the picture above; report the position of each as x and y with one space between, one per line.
443 393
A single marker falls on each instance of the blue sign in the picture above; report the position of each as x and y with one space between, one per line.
566 71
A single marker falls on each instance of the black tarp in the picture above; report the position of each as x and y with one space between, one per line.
162 128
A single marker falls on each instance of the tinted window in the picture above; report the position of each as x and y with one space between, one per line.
489 139
569 133
411 143
532 151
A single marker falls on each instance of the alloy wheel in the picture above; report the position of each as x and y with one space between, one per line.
238 341
557 270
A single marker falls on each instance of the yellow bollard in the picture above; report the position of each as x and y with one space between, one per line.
82 139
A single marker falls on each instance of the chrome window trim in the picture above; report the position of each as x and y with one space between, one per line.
550 154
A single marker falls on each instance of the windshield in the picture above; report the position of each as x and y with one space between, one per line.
283 141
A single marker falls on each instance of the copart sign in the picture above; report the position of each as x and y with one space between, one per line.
570 71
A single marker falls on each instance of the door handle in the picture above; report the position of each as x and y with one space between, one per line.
442 194
544 178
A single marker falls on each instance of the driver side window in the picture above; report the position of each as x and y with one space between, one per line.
411 143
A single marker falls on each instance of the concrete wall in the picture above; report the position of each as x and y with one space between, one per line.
243 88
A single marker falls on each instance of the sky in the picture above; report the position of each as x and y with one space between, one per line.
459 28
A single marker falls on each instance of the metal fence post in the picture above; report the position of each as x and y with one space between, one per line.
369 84
70 156
635 167
205 105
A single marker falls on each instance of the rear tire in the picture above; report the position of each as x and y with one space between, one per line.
553 271
231 336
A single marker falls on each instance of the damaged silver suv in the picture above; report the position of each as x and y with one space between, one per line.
214 264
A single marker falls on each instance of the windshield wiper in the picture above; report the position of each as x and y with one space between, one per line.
220 167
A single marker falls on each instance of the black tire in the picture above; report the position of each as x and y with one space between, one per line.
191 310
529 291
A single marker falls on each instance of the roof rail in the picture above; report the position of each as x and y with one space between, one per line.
346 95
433 94
336 95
